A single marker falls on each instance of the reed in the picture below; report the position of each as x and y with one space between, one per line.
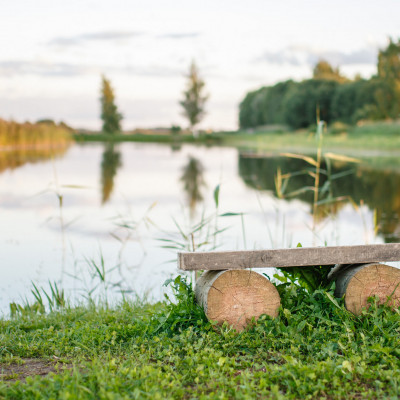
316 277
14 134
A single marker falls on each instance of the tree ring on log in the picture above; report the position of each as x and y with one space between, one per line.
360 282
236 296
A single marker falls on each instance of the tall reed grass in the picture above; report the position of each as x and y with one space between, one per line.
30 143
26 134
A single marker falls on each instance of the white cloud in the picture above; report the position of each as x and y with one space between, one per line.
179 35
305 55
94 36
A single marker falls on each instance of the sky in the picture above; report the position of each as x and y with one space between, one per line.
53 53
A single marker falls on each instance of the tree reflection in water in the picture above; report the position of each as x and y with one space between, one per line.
110 162
363 184
193 183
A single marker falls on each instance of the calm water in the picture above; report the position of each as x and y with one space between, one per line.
113 203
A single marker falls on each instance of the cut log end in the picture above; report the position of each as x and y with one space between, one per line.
236 296
361 282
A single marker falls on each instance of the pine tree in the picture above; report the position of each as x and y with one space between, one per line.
109 112
194 98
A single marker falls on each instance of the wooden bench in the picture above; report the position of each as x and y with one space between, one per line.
230 291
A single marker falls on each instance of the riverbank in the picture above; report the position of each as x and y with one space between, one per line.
313 349
368 137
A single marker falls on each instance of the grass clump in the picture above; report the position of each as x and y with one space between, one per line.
313 349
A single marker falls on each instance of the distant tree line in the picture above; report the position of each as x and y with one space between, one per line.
336 97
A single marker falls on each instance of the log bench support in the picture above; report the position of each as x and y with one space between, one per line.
236 296
358 282
229 291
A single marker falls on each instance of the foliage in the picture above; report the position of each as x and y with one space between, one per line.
323 70
109 112
264 106
182 313
338 98
175 130
250 109
310 278
357 100
389 72
305 98
313 349
194 99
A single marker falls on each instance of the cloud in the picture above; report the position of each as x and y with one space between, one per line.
47 69
281 57
179 35
94 37
151 70
303 55
362 56
20 67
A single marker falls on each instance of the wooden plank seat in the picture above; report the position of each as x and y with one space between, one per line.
230 291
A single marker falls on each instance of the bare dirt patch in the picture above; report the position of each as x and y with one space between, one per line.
30 367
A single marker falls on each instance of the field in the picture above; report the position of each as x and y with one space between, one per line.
314 349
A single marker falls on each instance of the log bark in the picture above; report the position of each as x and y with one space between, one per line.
360 282
236 296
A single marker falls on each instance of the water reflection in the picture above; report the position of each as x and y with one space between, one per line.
176 146
110 162
193 183
15 158
158 172
377 188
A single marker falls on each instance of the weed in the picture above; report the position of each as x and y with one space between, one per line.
313 349
181 313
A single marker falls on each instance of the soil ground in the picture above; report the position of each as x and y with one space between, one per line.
29 367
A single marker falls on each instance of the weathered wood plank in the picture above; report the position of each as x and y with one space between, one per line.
299 256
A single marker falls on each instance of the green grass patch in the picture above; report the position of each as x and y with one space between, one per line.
147 138
369 137
168 350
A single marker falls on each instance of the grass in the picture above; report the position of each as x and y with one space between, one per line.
314 349
147 138
31 143
373 137
28 135
368 137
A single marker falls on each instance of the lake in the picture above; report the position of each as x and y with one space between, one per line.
72 216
